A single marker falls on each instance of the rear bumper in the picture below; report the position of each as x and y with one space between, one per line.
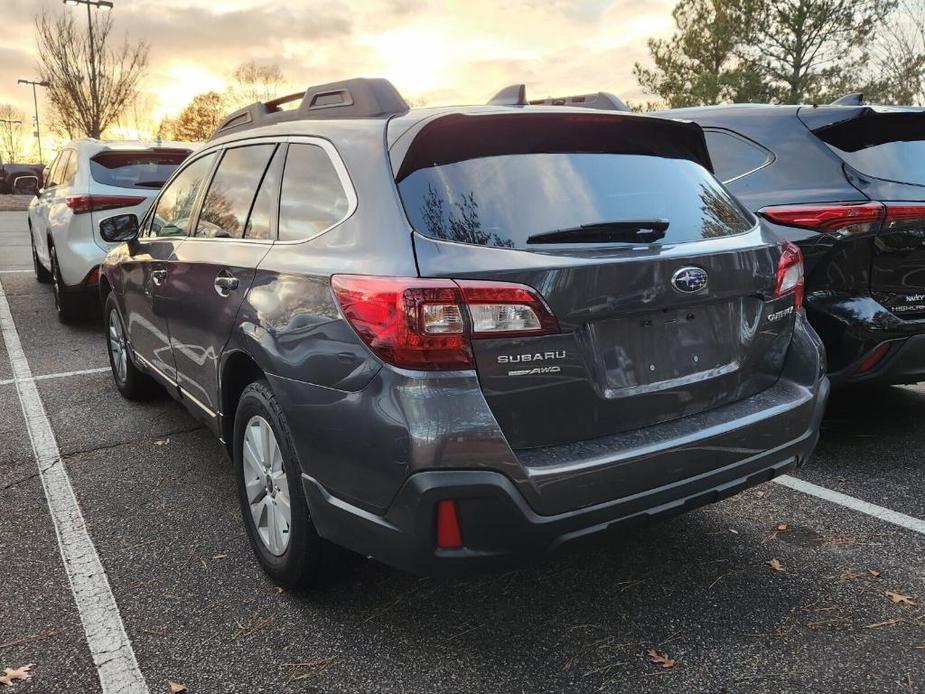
500 527
853 329
903 363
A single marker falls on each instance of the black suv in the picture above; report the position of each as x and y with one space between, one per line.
846 182
448 337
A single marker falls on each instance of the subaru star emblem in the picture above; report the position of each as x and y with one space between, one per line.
689 279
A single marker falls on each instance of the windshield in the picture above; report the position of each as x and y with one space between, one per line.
503 201
145 169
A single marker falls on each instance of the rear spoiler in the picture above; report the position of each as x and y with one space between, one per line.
852 129
459 137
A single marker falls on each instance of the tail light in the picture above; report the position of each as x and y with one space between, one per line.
846 220
428 324
94 203
790 273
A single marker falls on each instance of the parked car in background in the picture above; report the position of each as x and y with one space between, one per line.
847 184
451 337
88 180
10 173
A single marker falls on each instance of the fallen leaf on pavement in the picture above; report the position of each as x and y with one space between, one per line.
781 527
661 659
162 442
176 687
759 493
776 565
873 572
899 598
220 556
20 674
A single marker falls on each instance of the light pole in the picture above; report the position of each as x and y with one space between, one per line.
10 124
35 101
102 5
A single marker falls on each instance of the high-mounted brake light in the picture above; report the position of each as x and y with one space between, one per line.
427 324
95 203
790 273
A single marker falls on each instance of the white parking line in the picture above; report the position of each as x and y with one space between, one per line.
62 374
14 272
878 512
109 644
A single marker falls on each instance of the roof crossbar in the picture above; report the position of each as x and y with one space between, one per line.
353 98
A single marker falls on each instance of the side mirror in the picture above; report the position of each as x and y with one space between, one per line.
122 227
26 185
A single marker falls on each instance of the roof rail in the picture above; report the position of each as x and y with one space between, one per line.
354 98
516 95
852 99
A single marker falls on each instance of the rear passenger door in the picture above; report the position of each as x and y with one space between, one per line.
216 265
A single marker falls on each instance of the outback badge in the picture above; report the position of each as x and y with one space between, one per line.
689 279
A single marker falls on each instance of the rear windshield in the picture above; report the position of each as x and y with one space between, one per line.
890 146
512 201
146 169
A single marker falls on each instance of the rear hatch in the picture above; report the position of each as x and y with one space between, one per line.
662 286
125 181
883 150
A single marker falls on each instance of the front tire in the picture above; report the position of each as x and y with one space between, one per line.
132 383
67 305
273 506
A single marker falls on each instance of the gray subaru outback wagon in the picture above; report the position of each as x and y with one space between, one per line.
451 337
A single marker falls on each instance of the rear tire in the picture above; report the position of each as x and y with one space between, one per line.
269 479
68 306
41 274
131 382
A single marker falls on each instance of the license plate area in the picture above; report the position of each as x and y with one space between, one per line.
667 348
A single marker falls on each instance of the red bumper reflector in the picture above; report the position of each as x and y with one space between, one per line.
449 535
875 357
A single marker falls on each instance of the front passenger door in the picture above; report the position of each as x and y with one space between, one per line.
147 272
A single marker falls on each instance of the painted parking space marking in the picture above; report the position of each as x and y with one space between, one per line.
63 374
109 645
14 272
878 512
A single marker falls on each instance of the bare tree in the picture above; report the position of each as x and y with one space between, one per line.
899 57
87 96
252 82
11 140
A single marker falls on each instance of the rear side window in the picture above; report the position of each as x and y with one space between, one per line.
734 156
312 197
512 201
135 169
70 169
231 194
260 223
890 146
175 206
55 169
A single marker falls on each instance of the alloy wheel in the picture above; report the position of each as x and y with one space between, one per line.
267 486
117 347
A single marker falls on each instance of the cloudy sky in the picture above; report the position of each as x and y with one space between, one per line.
442 52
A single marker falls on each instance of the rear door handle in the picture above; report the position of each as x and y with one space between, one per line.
158 277
225 283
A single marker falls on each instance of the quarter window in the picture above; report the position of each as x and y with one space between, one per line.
312 197
228 203
54 173
175 206
69 170
734 156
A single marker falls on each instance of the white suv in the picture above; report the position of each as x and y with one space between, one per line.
88 181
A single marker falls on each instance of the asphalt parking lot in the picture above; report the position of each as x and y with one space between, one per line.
157 496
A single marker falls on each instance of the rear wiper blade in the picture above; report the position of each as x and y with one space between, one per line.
629 231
